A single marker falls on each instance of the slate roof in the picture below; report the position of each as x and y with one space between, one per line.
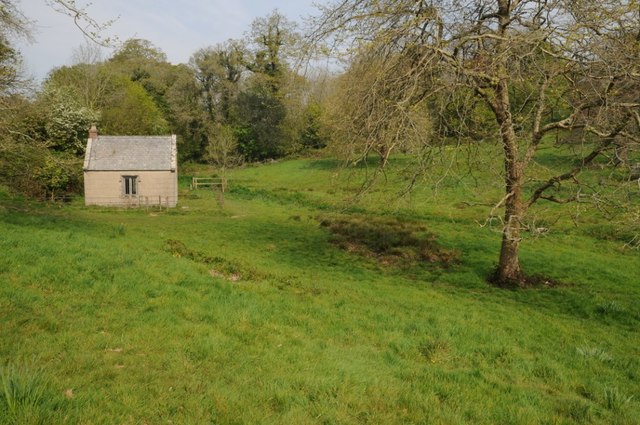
131 153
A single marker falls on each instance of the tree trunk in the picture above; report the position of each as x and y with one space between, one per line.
509 272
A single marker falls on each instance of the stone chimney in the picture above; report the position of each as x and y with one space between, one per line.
93 133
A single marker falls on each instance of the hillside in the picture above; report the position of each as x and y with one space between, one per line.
258 313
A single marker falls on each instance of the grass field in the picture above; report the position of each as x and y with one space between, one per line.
254 314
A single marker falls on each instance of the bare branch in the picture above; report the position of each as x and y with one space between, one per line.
91 28
553 199
607 141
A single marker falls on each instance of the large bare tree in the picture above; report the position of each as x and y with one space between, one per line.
539 66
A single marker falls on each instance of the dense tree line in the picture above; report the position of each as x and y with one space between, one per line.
235 101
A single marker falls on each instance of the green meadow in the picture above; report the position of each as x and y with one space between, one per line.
290 303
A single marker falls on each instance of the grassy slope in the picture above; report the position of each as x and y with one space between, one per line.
97 302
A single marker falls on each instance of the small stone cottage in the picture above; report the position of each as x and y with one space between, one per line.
130 170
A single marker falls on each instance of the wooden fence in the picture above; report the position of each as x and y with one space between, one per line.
212 182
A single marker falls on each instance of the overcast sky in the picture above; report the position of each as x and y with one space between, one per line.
177 27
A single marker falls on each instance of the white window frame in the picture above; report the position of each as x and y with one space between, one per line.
129 186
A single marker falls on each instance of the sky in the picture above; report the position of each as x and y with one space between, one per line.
177 27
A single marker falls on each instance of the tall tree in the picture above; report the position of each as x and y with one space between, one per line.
147 65
261 106
260 116
273 39
188 119
588 50
218 70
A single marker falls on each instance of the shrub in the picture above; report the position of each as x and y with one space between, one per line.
37 172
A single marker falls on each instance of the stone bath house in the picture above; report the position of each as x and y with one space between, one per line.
130 170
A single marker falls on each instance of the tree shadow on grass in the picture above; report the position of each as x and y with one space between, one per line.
316 249
42 216
372 162
324 164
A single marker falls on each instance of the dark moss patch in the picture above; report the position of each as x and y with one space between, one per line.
389 240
